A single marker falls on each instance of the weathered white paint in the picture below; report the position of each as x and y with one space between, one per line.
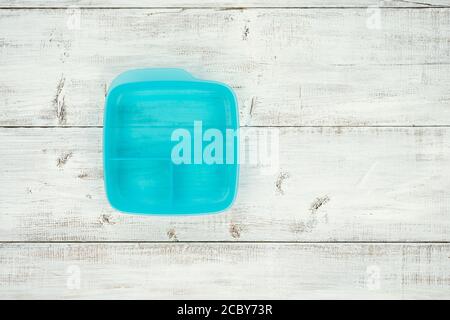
324 63
374 184
300 67
219 4
220 271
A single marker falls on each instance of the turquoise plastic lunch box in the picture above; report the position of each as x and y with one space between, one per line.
170 143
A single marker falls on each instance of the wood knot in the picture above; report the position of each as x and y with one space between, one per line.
106 219
62 160
172 234
235 230
278 183
318 203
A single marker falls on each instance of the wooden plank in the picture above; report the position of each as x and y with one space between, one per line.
217 4
299 67
221 271
344 184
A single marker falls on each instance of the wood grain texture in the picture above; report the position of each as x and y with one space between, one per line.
300 67
332 184
346 88
220 4
233 271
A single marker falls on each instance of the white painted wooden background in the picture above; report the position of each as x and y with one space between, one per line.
359 92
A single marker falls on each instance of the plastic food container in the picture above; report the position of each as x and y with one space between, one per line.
170 143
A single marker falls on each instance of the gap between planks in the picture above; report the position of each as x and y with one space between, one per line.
252 126
231 242
226 8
